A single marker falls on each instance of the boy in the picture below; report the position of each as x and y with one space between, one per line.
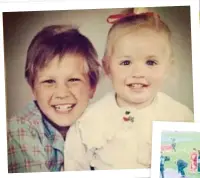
62 71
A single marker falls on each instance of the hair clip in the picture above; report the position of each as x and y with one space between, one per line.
116 17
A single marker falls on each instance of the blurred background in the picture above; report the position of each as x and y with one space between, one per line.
21 27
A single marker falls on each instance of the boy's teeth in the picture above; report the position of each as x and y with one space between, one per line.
63 107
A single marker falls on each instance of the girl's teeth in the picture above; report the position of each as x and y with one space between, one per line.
63 107
136 86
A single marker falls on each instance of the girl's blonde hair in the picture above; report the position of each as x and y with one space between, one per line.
130 20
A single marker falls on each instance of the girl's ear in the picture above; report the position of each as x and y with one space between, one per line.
171 64
170 69
172 60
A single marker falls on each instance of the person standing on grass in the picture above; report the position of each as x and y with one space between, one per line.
193 161
173 144
198 162
162 165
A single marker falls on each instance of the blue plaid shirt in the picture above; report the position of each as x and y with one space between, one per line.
34 145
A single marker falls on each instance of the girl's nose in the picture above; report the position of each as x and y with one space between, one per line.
137 71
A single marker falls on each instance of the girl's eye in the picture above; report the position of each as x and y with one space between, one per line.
50 81
125 62
151 62
74 79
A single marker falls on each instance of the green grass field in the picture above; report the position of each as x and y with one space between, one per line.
185 142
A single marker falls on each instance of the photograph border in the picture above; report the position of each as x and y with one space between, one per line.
78 4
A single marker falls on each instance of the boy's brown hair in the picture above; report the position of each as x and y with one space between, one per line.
129 22
58 40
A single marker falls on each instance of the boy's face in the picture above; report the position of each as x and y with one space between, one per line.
138 66
62 89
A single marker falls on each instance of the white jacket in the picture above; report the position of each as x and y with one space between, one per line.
102 139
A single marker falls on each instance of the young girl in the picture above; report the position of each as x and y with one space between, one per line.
115 132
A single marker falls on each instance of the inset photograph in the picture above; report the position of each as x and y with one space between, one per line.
179 150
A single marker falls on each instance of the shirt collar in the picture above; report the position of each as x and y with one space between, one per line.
53 135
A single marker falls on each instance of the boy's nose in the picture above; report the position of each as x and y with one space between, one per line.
62 91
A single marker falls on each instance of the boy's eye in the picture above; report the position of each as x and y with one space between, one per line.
125 62
50 81
151 62
74 80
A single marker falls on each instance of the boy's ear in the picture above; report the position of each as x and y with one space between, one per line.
32 91
105 64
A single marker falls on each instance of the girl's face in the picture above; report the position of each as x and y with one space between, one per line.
138 66
62 89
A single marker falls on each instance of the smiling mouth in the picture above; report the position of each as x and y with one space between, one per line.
64 108
137 85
